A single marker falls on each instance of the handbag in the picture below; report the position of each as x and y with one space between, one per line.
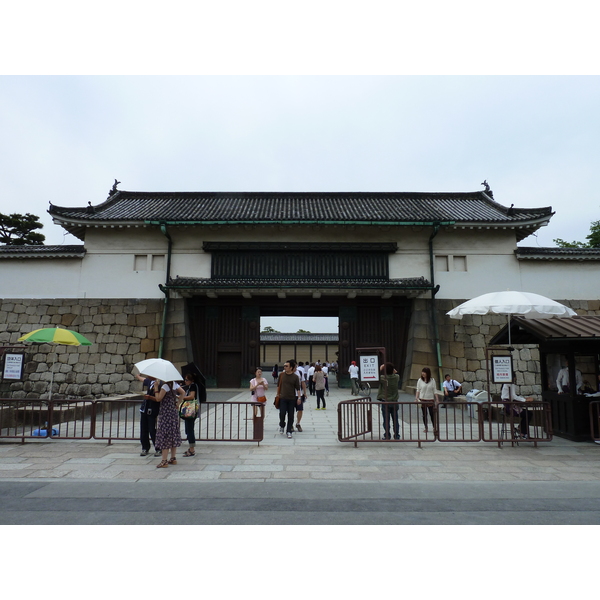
261 398
189 408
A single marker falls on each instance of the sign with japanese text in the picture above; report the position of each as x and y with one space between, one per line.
502 369
369 368
13 366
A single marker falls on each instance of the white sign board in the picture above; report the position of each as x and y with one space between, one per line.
369 368
13 366
501 369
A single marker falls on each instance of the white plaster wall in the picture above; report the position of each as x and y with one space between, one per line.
108 269
40 278
562 280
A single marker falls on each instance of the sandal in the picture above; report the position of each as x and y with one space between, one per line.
189 453
172 461
163 464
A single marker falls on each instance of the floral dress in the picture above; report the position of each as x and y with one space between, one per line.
168 433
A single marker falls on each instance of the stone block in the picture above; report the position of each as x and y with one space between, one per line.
147 345
146 319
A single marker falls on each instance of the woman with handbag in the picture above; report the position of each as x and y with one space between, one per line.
189 412
258 387
168 434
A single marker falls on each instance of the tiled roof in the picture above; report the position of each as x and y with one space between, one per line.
395 208
74 251
200 283
533 253
317 338
531 331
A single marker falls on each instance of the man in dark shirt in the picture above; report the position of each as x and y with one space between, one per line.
290 394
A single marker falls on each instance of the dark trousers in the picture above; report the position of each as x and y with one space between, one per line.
311 386
189 431
387 411
286 408
327 384
148 431
320 397
428 407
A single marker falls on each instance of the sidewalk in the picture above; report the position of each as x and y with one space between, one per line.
315 454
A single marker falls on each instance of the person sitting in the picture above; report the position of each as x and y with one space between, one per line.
452 388
597 394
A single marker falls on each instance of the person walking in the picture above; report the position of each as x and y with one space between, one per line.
168 432
388 392
290 395
191 393
275 373
258 385
426 396
319 383
353 370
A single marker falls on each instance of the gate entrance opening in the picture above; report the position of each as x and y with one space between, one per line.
230 325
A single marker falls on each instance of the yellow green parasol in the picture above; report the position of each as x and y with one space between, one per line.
55 335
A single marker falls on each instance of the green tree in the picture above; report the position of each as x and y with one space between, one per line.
269 329
593 239
19 230
302 331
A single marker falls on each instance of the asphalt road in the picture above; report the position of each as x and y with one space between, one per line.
299 503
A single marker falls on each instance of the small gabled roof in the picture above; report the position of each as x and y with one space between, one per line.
534 331
570 254
39 251
457 209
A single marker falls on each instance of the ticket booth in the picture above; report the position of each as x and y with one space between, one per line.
569 367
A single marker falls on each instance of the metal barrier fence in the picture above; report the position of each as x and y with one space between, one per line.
119 419
364 420
595 420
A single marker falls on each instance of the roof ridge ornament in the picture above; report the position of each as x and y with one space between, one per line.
487 190
114 189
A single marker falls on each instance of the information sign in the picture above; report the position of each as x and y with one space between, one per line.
502 369
13 366
369 367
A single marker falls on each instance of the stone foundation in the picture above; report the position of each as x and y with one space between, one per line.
122 332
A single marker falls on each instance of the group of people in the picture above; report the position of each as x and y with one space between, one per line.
160 416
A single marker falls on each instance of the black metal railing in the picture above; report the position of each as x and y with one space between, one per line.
119 419
366 420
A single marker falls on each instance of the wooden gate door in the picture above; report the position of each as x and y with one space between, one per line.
229 369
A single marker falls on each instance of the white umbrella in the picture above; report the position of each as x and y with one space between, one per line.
160 368
525 304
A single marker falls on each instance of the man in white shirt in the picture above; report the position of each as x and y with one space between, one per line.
452 388
562 381
353 370
310 373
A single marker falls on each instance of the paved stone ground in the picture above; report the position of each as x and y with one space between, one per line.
327 481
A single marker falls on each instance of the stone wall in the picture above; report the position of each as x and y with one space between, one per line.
122 332
463 343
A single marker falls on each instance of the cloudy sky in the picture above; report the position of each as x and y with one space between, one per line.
534 137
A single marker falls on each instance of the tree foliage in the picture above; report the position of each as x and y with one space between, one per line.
593 239
269 329
302 331
19 230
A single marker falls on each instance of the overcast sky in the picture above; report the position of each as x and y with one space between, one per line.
534 138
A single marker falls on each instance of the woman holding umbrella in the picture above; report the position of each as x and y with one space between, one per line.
168 432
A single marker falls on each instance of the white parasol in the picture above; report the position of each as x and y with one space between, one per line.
509 302
159 368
